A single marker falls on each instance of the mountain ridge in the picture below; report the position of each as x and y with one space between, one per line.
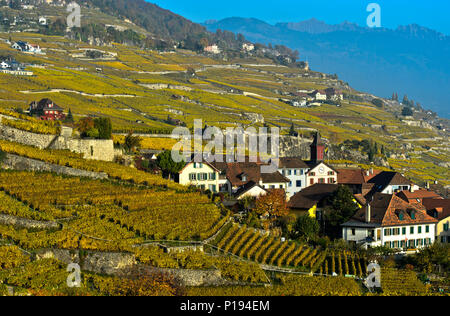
410 60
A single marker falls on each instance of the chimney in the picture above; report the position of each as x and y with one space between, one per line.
371 171
427 185
368 173
411 189
368 213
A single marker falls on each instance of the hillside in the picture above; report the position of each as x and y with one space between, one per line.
139 89
133 232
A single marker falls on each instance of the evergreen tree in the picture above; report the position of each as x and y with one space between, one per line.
69 117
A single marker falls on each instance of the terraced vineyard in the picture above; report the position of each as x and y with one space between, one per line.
250 244
116 210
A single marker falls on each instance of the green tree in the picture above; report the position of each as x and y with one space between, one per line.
168 165
131 142
306 227
340 207
104 127
69 117
407 111
292 131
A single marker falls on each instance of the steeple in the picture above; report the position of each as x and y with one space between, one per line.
317 149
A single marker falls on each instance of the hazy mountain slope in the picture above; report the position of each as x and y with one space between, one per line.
410 60
160 22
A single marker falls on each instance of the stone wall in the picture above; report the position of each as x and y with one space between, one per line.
96 149
26 138
26 164
109 263
112 263
26 223
196 277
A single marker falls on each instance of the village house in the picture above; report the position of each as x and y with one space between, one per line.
213 49
295 170
26 47
417 196
319 172
204 176
390 182
250 189
334 94
440 210
310 201
46 110
42 21
248 47
239 174
391 222
319 95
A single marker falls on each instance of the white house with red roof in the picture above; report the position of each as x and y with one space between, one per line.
392 222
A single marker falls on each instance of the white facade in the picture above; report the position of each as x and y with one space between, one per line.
391 189
321 174
297 178
248 47
203 176
214 49
396 237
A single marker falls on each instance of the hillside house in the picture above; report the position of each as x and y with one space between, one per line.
204 176
250 189
319 95
391 222
390 182
311 200
295 170
42 21
334 94
47 110
248 47
440 210
26 47
319 172
212 49
417 196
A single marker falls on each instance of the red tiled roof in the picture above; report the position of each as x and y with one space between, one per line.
292 163
440 206
350 176
386 210
412 197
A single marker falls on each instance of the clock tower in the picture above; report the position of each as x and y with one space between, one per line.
317 149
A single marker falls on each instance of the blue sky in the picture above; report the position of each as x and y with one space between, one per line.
434 14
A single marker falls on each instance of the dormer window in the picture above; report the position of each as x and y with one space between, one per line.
401 216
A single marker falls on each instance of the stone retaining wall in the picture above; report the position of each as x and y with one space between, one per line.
16 162
26 223
96 149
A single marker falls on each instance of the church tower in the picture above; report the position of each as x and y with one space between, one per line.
317 149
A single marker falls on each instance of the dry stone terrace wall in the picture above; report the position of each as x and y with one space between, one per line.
26 223
114 263
15 162
96 149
